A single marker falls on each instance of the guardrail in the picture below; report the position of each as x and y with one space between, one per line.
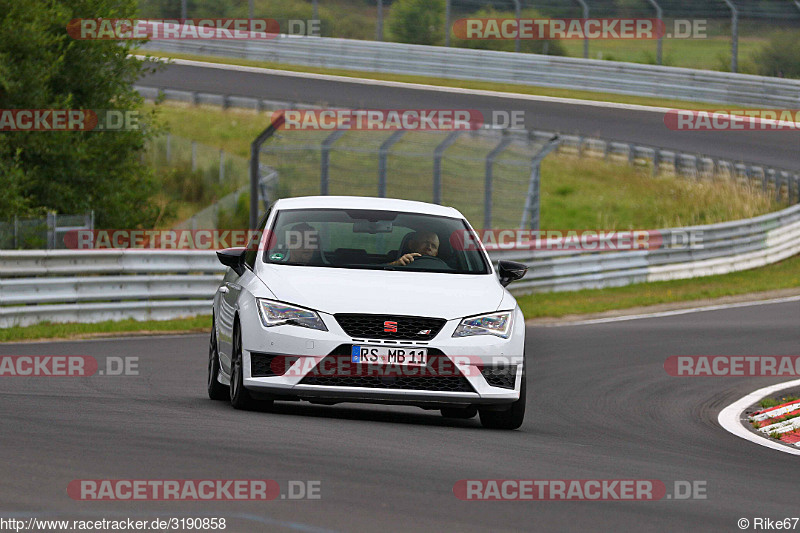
97 285
503 67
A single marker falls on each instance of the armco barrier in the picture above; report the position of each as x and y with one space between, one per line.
97 285
503 67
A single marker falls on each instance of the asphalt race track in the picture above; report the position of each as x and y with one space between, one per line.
777 148
600 406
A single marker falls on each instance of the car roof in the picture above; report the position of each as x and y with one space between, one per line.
366 202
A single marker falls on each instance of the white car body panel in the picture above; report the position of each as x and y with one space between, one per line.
328 291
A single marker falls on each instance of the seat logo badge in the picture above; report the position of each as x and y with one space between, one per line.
424 332
390 326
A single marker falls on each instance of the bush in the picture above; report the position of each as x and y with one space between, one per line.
183 184
553 48
237 218
780 56
417 21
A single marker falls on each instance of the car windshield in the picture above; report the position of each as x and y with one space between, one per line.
375 240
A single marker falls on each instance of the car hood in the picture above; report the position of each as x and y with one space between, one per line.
344 290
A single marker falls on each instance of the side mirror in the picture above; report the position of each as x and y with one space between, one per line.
511 271
233 257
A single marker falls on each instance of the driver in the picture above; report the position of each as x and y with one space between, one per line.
305 248
421 243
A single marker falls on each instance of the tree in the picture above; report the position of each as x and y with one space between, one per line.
42 67
417 21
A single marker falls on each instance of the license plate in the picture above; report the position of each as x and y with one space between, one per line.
389 355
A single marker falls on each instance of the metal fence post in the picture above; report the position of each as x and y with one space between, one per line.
660 17
194 156
169 147
488 182
438 152
379 24
51 231
325 159
250 9
734 36
797 176
447 22
585 7
314 10
255 149
518 14
16 231
183 9
221 166
383 154
656 161
530 215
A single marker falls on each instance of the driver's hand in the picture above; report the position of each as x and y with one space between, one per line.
405 259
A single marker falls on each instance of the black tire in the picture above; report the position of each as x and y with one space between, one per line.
511 418
463 413
216 390
240 396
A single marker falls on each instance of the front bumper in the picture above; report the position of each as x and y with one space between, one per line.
306 348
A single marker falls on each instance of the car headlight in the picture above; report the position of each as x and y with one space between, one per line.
276 314
498 324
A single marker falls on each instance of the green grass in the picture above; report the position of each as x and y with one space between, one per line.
710 54
766 403
783 275
74 330
576 193
464 84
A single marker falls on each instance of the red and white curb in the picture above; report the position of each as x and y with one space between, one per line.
783 420
731 419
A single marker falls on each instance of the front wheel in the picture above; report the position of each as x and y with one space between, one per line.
240 396
216 390
509 419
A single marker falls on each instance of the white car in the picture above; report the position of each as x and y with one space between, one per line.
354 299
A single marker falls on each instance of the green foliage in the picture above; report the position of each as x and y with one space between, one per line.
417 21
13 201
780 56
238 217
549 47
41 67
192 186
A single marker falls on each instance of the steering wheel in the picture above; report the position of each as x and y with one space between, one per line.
429 261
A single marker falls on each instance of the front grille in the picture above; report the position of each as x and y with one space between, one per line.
440 375
373 326
261 365
500 376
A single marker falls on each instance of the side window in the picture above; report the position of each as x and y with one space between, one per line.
251 254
